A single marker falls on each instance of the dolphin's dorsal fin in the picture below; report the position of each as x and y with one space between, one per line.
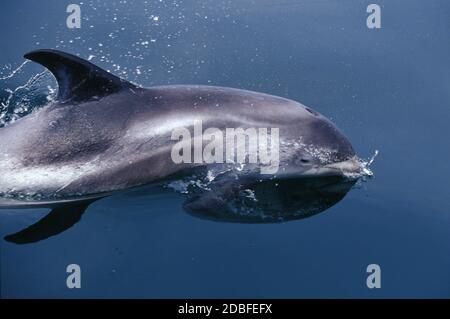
78 79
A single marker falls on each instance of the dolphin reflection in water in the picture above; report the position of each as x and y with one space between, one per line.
103 135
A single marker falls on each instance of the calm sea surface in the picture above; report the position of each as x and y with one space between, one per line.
386 89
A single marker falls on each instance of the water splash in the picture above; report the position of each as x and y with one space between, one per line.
365 165
372 158
13 72
37 91
200 181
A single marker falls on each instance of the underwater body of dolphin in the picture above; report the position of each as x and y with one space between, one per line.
103 134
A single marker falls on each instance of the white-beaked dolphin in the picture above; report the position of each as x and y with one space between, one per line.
103 134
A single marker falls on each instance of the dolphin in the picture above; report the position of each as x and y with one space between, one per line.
103 135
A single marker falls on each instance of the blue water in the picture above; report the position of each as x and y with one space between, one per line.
386 89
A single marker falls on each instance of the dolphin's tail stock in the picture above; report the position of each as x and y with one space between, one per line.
78 81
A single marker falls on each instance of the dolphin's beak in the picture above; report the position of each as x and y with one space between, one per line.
349 168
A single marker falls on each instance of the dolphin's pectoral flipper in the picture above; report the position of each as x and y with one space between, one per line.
58 220
78 79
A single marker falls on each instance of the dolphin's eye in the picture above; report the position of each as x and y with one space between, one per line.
304 158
